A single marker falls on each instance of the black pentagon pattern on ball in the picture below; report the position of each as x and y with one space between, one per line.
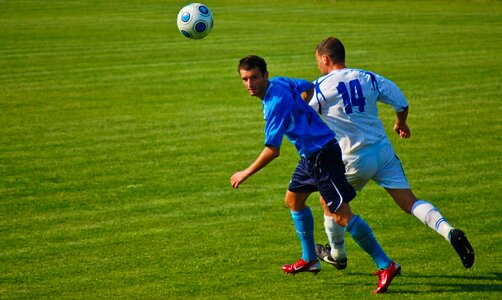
200 26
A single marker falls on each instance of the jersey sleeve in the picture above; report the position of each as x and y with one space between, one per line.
302 85
391 94
277 115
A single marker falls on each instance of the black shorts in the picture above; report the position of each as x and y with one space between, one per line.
324 172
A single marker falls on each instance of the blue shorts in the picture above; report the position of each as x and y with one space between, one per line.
324 172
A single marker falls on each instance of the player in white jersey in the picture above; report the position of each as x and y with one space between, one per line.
347 99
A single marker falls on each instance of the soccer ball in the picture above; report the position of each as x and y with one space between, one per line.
195 21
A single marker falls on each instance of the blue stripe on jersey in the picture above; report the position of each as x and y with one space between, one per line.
319 93
374 82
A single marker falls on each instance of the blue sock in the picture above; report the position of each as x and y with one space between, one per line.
363 235
304 224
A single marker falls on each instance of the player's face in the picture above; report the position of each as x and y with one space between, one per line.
321 63
255 82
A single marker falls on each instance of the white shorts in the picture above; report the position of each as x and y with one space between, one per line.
377 162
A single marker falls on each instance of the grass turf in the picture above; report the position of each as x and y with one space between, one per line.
118 137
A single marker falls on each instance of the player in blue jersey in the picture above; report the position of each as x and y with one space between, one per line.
347 99
320 167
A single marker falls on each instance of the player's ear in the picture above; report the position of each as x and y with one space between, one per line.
265 75
325 60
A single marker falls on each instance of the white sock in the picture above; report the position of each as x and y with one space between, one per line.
430 216
335 235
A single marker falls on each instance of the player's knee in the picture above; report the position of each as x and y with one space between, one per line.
404 198
406 203
408 207
295 204
343 215
289 203
340 220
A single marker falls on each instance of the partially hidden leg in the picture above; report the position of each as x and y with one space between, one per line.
334 252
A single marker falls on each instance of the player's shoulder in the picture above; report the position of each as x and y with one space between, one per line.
277 85
367 76
361 72
345 74
288 81
278 89
287 85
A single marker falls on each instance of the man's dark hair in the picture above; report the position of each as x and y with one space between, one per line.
333 48
252 61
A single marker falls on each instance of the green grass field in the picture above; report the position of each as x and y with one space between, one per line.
118 137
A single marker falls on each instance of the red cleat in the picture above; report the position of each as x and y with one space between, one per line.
302 266
386 276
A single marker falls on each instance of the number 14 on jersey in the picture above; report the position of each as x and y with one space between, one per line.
352 97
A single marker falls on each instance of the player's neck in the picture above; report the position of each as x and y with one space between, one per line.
264 92
337 67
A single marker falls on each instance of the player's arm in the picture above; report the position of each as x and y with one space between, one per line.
391 94
267 155
401 127
307 95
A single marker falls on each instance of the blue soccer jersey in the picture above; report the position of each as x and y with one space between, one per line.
286 113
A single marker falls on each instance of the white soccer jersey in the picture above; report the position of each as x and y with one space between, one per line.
347 100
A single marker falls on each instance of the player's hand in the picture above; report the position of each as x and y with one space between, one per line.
402 130
237 179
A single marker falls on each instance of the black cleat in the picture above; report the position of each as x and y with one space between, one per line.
464 249
324 254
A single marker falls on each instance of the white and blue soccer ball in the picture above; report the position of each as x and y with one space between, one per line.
195 21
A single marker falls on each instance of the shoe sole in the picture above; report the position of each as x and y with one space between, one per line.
303 270
463 248
314 272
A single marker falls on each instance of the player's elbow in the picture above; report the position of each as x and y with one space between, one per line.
274 152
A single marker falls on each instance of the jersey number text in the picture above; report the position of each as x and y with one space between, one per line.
354 98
